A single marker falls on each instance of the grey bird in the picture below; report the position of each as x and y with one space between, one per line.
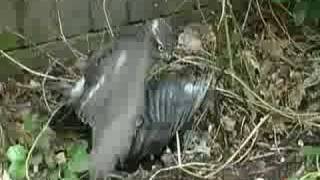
110 96
133 118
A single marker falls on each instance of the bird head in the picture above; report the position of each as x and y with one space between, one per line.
163 37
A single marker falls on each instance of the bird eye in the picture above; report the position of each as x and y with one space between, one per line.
160 48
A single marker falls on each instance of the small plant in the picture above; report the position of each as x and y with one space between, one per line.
17 155
44 155
78 160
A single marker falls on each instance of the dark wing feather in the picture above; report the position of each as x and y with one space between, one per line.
170 103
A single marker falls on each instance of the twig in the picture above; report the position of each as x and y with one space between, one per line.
262 156
198 120
276 142
32 71
202 15
107 19
229 46
178 148
242 124
44 91
37 139
223 13
262 121
75 52
177 167
192 173
248 150
180 6
247 15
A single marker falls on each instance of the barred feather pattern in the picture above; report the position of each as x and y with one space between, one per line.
170 103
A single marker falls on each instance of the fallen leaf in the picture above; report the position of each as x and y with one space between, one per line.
228 123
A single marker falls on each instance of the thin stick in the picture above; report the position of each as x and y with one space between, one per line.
107 19
223 13
248 150
176 167
178 148
262 121
226 27
32 71
247 15
64 39
201 12
44 91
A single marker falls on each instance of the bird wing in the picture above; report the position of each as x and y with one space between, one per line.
170 102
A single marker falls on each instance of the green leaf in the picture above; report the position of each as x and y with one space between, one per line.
17 153
17 169
79 158
311 150
69 175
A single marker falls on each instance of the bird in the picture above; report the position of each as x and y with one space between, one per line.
110 95
133 118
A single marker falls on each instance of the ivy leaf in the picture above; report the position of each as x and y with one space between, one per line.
69 175
79 158
17 153
17 169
